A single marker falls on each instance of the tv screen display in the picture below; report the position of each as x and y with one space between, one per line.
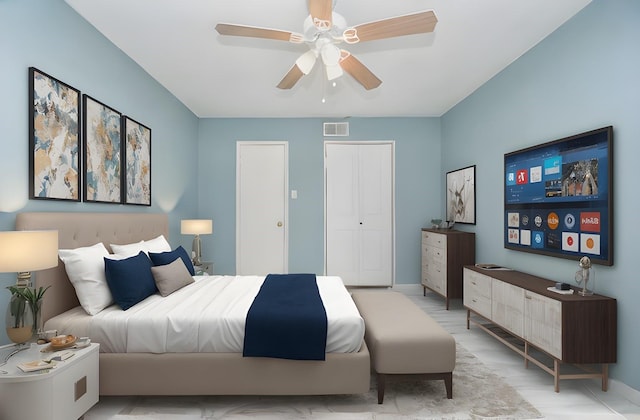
558 197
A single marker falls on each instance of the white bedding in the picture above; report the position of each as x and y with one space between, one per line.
206 316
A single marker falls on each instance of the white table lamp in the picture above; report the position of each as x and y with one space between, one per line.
23 252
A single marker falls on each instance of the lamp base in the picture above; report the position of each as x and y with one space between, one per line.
196 251
20 335
23 279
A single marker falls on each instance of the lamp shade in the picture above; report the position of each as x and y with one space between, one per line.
28 250
196 226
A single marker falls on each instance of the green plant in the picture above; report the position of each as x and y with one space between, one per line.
30 294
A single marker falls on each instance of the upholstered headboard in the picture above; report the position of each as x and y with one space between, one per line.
85 229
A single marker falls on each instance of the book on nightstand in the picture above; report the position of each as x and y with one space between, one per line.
36 365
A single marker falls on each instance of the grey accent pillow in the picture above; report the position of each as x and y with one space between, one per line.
171 277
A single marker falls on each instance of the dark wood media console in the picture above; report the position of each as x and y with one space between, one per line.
570 328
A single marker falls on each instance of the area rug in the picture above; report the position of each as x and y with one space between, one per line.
478 393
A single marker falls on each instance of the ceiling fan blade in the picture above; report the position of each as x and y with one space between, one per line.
303 65
359 71
321 12
291 78
416 23
255 32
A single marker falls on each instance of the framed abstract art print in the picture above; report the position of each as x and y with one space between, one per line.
102 152
54 138
137 162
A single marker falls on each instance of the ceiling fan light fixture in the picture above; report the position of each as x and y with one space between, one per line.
333 71
306 61
330 54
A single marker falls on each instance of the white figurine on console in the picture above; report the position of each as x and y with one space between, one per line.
584 275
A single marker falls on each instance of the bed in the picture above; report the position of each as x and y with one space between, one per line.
192 373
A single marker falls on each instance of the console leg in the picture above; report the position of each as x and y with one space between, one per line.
605 376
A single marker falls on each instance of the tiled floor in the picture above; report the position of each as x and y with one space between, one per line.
577 399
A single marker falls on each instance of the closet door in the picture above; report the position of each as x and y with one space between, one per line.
359 212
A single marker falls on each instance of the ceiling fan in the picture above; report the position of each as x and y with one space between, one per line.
324 29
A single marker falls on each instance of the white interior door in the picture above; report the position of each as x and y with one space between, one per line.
261 208
359 197
342 228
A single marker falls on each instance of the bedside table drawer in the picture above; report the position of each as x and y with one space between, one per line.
75 390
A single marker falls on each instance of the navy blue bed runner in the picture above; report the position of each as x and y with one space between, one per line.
287 319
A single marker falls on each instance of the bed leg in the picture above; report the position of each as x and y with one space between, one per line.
381 380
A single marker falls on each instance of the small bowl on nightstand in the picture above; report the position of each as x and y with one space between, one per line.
63 341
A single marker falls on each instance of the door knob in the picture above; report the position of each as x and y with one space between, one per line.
279 224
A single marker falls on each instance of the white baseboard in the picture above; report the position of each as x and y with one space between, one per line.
408 289
624 390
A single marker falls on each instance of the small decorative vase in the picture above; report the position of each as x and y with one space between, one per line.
36 309
19 320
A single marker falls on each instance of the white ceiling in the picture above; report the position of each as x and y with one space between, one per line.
422 75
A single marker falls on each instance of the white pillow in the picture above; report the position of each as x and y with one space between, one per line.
156 245
85 268
128 250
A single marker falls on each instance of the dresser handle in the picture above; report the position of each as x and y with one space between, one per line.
527 297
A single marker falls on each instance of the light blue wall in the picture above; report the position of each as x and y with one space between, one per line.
584 76
418 185
49 35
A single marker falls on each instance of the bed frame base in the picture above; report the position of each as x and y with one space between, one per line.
183 373
231 374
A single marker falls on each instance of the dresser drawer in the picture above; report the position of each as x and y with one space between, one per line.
434 239
437 281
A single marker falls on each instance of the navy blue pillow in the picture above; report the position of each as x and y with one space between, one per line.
130 280
164 258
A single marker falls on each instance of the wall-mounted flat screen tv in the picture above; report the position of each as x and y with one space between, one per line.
558 197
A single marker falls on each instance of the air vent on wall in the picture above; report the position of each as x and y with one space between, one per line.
335 129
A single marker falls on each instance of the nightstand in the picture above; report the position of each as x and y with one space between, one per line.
206 267
63 393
